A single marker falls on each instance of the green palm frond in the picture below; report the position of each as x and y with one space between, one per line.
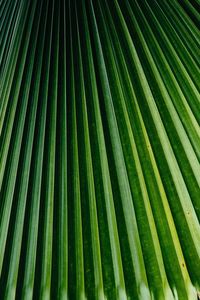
99 149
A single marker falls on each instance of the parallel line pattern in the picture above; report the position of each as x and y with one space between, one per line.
100 149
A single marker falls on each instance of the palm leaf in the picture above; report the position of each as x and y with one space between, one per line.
99 149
